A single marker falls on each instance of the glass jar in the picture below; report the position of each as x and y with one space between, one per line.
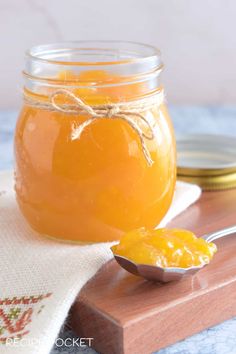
94 145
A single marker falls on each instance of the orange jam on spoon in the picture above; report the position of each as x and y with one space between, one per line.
165 248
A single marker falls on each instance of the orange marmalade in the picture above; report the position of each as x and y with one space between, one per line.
97 186
165 248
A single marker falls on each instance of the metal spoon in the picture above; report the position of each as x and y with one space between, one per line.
169 274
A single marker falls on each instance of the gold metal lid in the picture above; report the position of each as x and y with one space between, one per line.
212 182
207 160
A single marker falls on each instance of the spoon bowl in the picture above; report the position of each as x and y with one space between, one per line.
155 273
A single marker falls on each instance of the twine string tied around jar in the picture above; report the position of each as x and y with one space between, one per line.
127 111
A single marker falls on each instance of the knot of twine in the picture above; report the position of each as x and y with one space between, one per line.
127 111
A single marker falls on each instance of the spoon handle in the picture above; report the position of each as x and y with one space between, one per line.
221 233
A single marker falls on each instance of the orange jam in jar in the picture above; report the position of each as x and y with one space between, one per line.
94 144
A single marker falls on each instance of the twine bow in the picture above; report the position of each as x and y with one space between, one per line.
125 111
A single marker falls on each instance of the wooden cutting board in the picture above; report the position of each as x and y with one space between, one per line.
128 315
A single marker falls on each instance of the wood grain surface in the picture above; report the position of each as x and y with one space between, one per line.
128 315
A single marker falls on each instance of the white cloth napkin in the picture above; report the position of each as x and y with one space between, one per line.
40 278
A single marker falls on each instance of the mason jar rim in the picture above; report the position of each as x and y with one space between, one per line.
132 62
45 52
